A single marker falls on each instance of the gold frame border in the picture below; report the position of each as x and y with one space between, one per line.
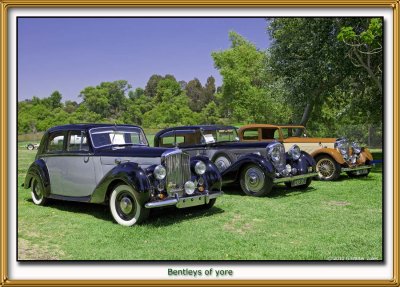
5 5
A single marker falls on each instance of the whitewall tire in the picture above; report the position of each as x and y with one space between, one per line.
125 207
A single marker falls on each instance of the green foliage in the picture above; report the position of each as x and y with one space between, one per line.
171 107
246 92
107 99
200 96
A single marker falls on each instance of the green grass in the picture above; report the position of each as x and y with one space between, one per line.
328 221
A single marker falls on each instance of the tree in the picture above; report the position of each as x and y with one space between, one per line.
194 90
151 86
171 106
365 47
306 54
244 93
107 99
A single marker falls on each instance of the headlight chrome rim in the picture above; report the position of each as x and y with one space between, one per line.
200 168
160 172
295 152
190 187
356 147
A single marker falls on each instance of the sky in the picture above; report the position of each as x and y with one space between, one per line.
69 54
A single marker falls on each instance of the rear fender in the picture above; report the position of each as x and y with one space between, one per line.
331 152
232 173
131 174
38 169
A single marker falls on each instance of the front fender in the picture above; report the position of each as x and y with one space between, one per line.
39 169
330 151
131 174
212 176
232 173
302 164
366 154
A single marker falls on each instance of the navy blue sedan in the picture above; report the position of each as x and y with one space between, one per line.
257 166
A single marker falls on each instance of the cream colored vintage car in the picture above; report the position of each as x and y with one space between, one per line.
332 155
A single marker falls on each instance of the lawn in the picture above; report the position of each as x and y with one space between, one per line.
339 220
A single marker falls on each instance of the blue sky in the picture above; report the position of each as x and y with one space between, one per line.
69 54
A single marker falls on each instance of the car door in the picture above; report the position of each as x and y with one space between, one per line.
70 164
79 176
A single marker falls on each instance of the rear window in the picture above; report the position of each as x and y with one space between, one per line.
250 134
56 142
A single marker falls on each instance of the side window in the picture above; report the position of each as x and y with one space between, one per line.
250 134
77 141
269 134
168 141
56 142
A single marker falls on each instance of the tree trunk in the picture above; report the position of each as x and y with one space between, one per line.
306 114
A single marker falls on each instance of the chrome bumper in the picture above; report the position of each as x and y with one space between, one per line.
292 178
184 202
362 167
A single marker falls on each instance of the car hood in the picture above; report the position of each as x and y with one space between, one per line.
309 140
242 144
132 151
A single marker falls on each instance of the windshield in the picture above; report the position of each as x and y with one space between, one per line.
118 136
220 135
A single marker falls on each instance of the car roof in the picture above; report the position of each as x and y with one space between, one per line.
205 127
269 126
85 126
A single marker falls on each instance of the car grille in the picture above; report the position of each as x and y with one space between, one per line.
177 165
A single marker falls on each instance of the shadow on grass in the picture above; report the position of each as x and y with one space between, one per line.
158 217
277 191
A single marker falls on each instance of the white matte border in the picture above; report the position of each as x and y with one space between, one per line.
241 270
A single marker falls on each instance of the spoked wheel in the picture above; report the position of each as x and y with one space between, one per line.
30 147
125 208
327 168
222 162
254 182
37 192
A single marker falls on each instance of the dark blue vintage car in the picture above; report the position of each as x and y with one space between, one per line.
113 164
256 166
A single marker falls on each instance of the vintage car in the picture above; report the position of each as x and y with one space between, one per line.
32 146
256 166
332 155
114 165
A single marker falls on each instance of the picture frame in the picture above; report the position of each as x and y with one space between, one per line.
6 139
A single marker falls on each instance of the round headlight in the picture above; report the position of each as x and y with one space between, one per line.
190 187
200 167
294 152
160 172
342 146
275 154
356 147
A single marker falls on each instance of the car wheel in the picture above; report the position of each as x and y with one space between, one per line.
254 181
303 186
37 192
124 206
30 147
327 168
222 162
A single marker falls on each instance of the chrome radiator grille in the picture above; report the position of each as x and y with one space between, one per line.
178 171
